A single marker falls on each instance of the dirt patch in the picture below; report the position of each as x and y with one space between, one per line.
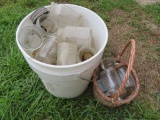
152 27
148 69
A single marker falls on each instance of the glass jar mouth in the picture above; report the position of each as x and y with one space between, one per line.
108 62
47 24
30 38
83 50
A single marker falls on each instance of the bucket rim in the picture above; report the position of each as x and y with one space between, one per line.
64 66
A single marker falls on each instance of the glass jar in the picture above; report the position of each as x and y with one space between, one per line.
30 38
37 13
79 35
85 53
47 53
108 62
65 15
111 80
47 24
67 53
102 85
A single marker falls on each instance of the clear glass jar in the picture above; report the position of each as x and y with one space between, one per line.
67 53
79 35
30 38
47 53
65 15
85 53
102 86
47 24
37 13
111 80
108 62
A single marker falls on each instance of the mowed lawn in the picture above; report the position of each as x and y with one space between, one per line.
23 95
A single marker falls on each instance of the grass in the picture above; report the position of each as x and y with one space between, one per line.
153 11
22 94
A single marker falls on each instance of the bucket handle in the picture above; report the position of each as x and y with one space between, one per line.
85 79
93 76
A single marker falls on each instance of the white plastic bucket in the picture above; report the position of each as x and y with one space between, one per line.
65 81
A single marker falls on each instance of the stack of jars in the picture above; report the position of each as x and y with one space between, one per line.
56 36
110 79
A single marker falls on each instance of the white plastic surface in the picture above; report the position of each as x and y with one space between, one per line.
65 81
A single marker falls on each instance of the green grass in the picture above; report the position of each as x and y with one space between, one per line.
22 94
153 11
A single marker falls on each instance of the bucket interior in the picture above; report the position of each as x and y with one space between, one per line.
90 19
